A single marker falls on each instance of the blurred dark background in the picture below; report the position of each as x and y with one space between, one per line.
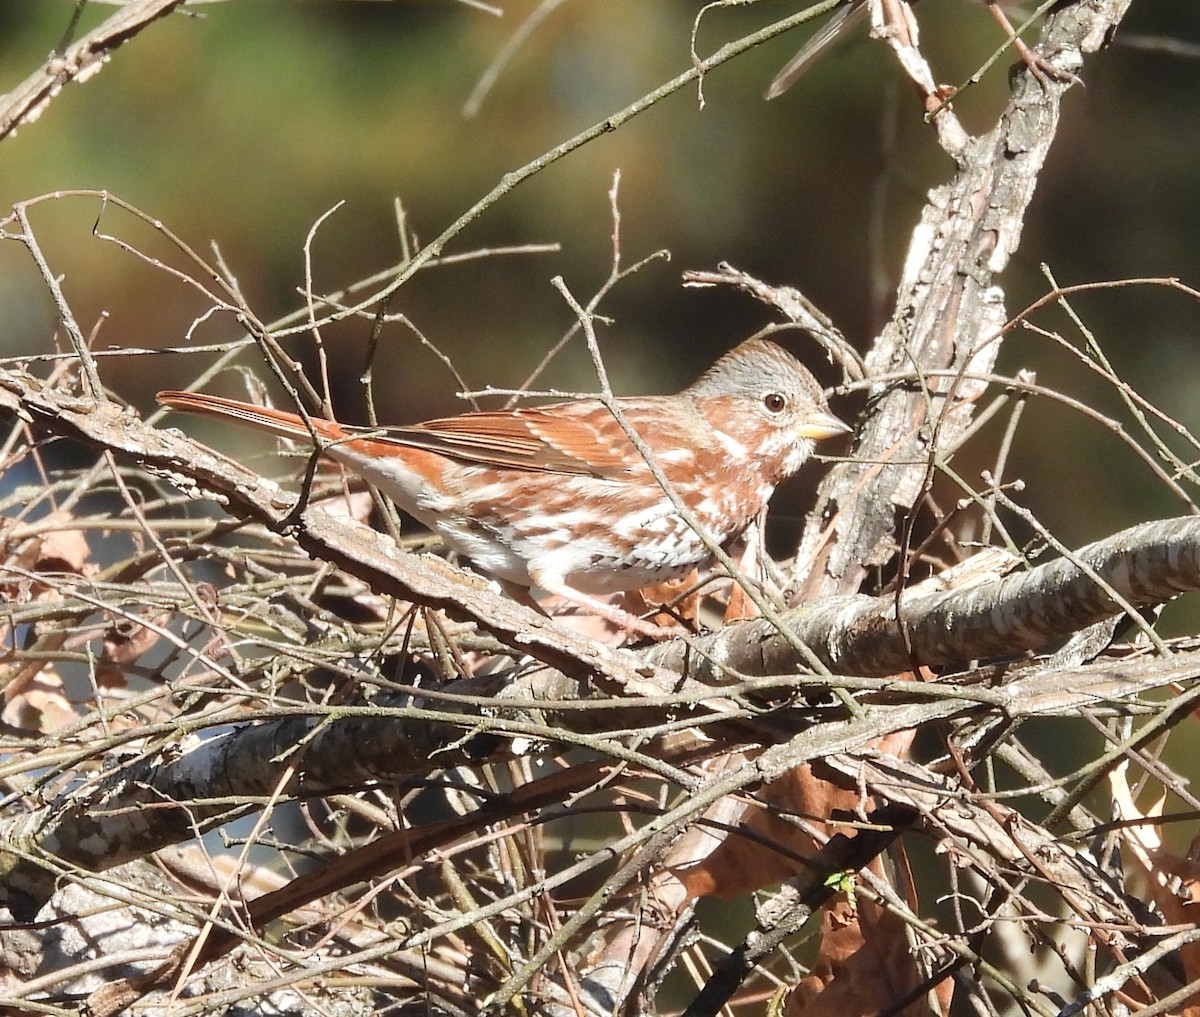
242 124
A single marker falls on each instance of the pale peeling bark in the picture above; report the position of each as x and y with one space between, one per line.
945 330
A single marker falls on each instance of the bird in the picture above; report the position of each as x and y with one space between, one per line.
852 12
558 498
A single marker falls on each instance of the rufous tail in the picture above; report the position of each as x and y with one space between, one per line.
262 418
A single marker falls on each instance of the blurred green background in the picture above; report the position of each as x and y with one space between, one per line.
242 124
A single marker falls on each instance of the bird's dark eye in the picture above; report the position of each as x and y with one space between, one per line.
774 401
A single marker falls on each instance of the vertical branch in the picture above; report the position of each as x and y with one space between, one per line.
949 316
87 364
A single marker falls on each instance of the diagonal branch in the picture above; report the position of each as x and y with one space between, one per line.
78 62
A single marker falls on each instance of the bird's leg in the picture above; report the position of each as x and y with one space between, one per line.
623 620
1041 68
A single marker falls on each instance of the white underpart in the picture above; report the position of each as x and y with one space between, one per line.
490 492
497 557
797 455
405 486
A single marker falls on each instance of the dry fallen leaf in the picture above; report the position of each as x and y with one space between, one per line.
1174 881
40 707
864 967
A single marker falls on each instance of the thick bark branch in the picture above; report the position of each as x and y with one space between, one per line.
858 635
130 815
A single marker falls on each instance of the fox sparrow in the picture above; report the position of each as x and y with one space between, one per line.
557 497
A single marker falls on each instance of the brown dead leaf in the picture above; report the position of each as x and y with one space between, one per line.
64 550
124 644
18 675
54 550
40 706
864 967
1174 881
128 639
685 606
728 865
740 605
